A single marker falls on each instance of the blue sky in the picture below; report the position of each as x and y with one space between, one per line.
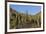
24 8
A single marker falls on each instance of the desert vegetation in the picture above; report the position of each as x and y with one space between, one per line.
20 20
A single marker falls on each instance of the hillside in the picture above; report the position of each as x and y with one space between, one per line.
19 20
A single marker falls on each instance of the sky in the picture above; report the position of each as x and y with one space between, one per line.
31 9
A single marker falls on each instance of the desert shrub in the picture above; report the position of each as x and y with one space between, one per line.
14 15
18 20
